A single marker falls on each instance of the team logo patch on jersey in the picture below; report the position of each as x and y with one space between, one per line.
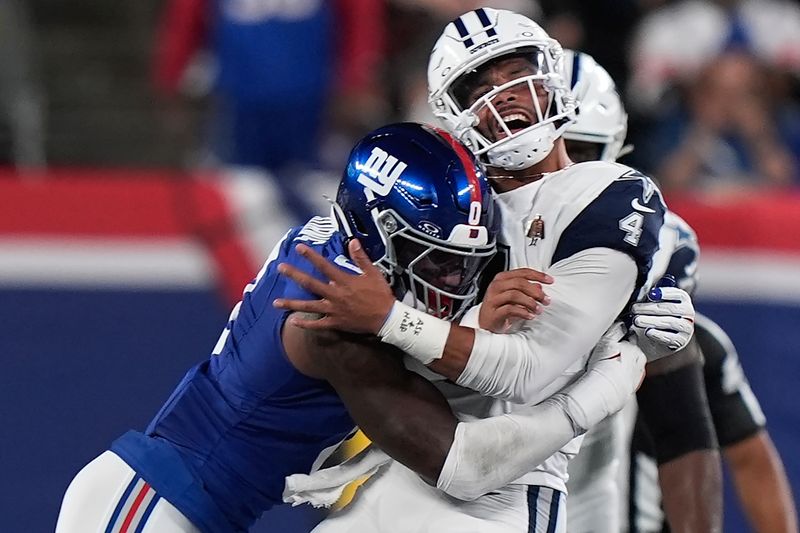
535 230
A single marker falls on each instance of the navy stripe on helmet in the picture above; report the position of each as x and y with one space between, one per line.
484 18
462 31
576 66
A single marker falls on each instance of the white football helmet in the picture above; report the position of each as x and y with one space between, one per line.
600 117
473 40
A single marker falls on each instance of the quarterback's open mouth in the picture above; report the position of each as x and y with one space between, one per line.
515 122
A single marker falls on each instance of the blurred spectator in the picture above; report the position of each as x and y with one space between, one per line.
20 94
672 44
278 64
729 138
601 27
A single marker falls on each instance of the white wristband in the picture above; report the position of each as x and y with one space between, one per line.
417 333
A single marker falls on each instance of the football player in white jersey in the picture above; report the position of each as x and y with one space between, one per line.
688 453
496 83
273 400
689 483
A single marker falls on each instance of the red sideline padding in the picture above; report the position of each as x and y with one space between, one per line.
766 221
118 204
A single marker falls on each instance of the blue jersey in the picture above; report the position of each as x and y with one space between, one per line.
274 49
241 421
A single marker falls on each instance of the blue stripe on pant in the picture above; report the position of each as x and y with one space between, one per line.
121 503
544 509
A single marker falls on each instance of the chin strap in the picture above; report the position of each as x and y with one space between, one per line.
625 150
339 218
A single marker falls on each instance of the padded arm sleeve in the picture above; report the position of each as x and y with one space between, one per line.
591 288
490 453
734 408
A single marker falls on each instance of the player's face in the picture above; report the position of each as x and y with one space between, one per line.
515 105
442 270
581 151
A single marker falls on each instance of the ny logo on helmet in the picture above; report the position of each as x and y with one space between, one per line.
380 172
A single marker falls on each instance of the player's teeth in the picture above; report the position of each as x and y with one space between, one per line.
515 116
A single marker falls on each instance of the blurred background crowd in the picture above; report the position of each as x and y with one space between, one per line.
121 254
287 85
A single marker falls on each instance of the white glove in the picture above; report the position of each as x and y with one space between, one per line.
664 324
614 372
324 487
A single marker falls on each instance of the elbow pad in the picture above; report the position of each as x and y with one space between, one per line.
675 411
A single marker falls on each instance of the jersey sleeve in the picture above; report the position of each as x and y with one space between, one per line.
734 408
590 289
331 246
686 253
255 324
320 235
627 216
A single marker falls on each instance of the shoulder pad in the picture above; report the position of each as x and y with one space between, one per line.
321 235
685 254
626 216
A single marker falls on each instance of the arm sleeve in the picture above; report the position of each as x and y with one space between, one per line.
591 288
734 408
490 453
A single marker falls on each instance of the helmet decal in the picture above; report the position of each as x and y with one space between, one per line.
468 49
486 26
421 206
380 172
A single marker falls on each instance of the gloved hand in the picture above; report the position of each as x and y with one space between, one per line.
664 323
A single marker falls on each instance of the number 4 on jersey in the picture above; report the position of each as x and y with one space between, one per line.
632 226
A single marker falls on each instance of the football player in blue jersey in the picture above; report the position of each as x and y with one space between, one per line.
496 82
274 400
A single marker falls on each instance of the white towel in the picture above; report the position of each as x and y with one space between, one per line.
324 487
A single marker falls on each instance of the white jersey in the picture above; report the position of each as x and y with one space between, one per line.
599 476
597 227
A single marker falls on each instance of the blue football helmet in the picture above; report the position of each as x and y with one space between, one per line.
421 207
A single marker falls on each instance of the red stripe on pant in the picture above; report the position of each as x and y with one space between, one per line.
136 503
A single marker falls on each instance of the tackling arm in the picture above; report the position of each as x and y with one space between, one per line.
591 288
401 412
406 415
